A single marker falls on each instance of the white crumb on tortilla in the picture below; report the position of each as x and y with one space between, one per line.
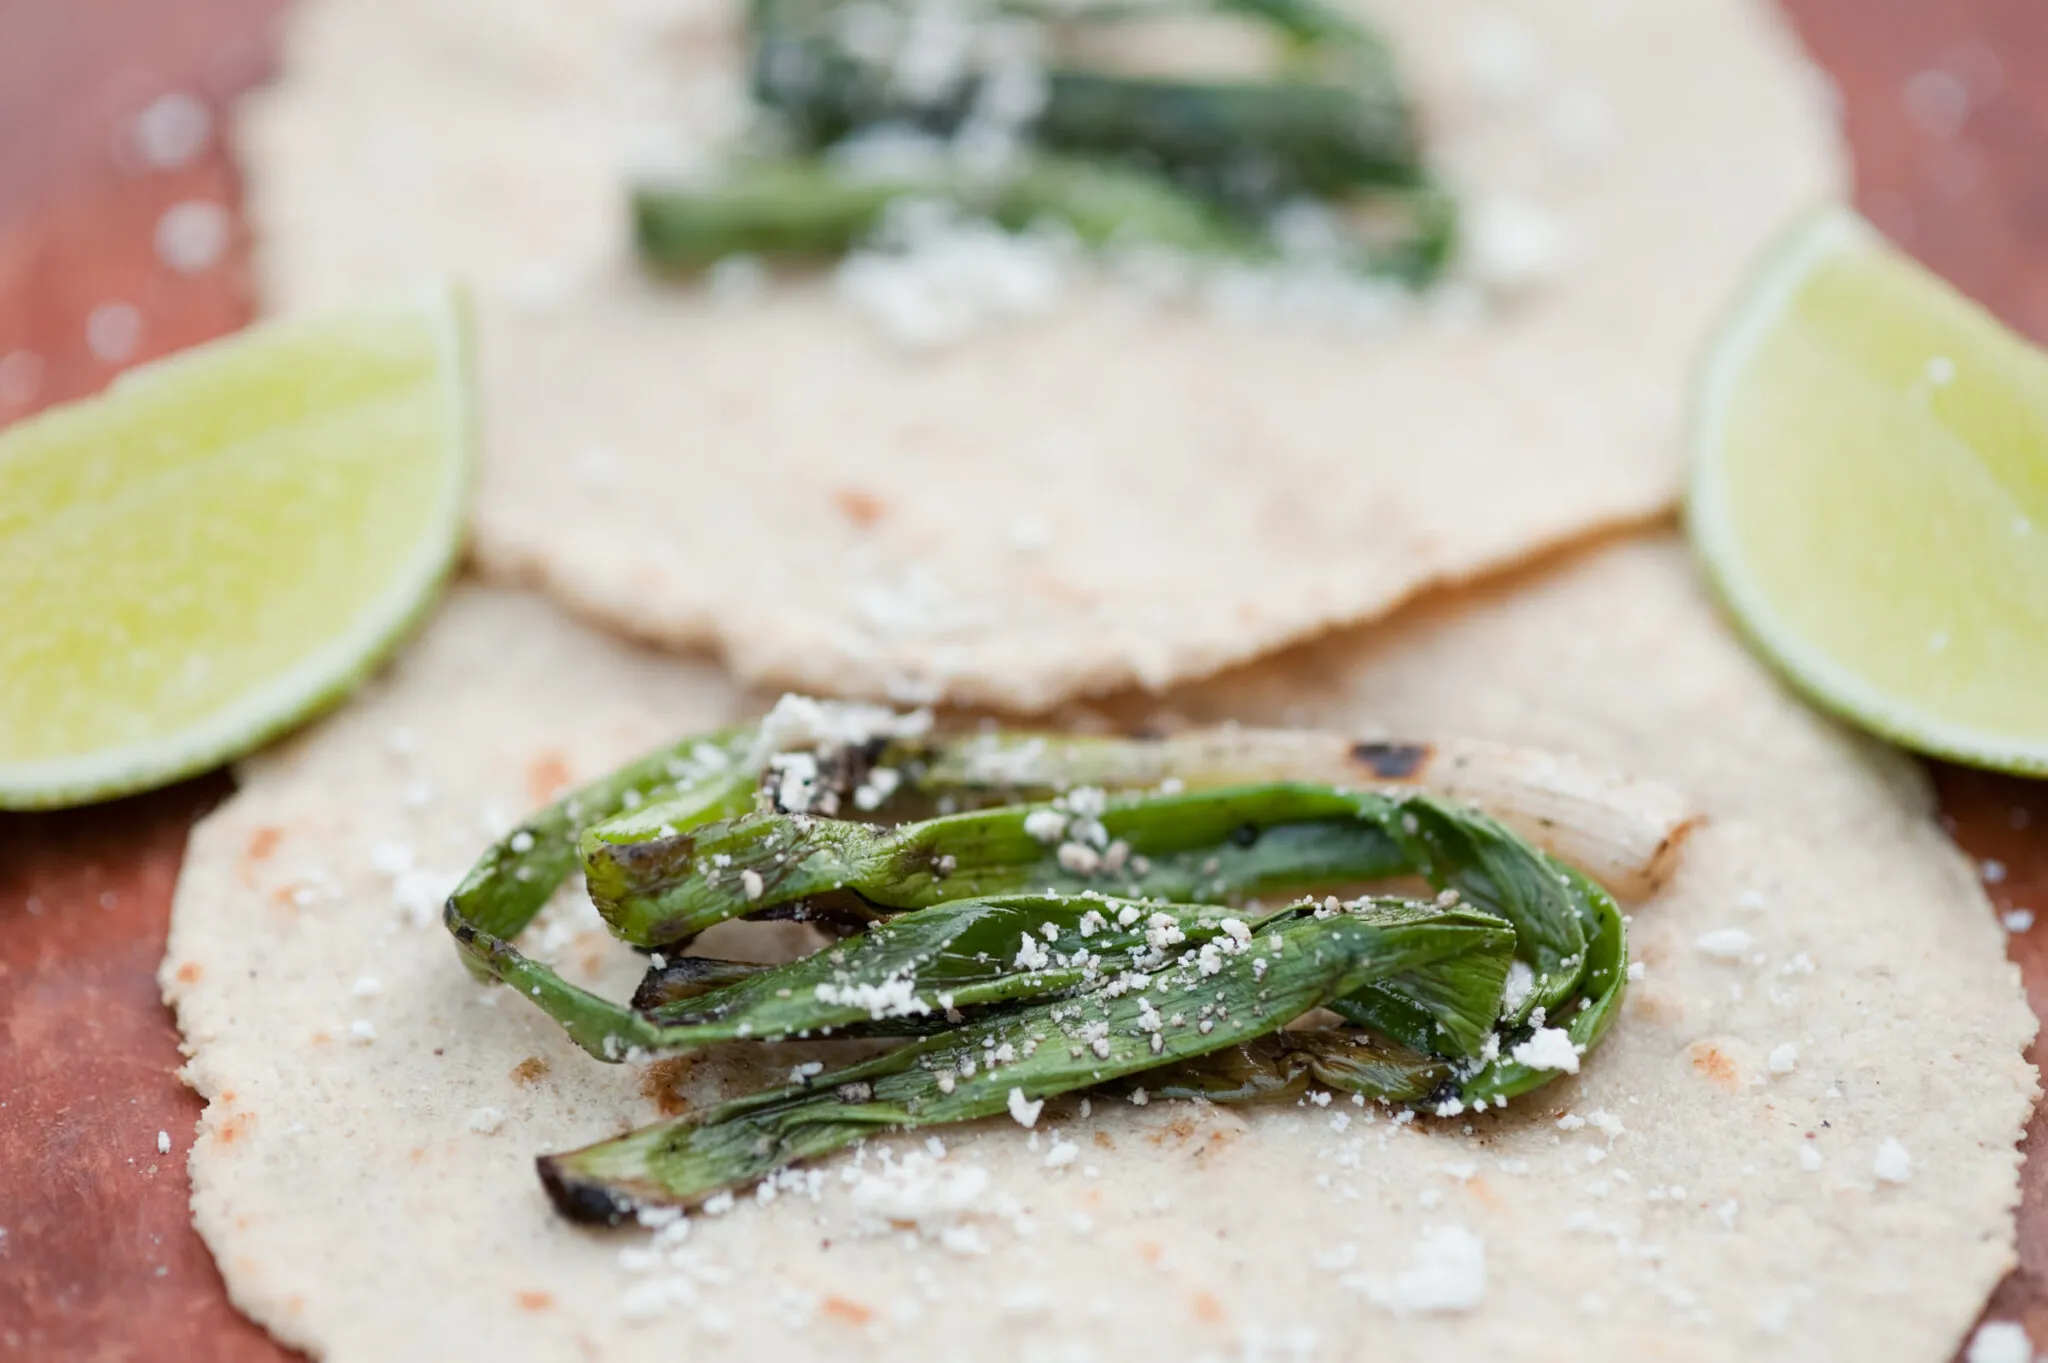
2000 1341
163 1142
1893 1164
1725 944
1447 1274
1549 1048
1783 1059
486 1120
1025 1110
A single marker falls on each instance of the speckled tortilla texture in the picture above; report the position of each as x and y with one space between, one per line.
356 1212
1109 495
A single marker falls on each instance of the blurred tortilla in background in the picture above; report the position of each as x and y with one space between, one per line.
1112 493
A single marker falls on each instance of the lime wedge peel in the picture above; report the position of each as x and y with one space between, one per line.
1869 494
225 542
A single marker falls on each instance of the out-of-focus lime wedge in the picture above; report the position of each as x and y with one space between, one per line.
1869 490
223 542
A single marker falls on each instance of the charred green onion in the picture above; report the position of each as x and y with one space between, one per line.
1083 915
1008 129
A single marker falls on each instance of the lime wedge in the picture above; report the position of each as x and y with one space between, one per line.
223 542
1869 491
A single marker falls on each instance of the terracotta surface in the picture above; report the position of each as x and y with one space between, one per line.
1944 101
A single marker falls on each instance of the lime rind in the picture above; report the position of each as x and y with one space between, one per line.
1715 530
322 676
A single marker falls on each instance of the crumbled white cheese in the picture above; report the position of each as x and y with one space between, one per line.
1046 825
1550 1048
1783 1059
1062 1154
486 1120
368 986
1520 983
2017 920
1809 1158
192 236
830 725
1447 1273
1893 1164
2000 1341
893 997
1025 1110
362 1031
163 1142
172 130
751 885
1079 859
1031 955
390 859
1725 944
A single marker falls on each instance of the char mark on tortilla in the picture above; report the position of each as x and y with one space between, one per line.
1391 761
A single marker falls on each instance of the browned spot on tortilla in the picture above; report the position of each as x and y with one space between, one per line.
862 508
1658 1006
852 1312
591 962
294 1304
419 1154
226 1096
1182 1129
1149 1251
190 972
320 1038
235 1127
1207 1309
262 843
1221 1136
531 1300
529 1070
1482 1192
1391 761
281 897
1102 1139
545 776
1715 1065
659 1084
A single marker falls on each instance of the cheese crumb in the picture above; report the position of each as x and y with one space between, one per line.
1783 1059
1894 1163
1520 983
750 883
1025 1110
1448 1273
1550 1048
367 987
1809 1158
1725 944
1046 825
2000 1341
1062 1154
486 1120
163 1142
362 1031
